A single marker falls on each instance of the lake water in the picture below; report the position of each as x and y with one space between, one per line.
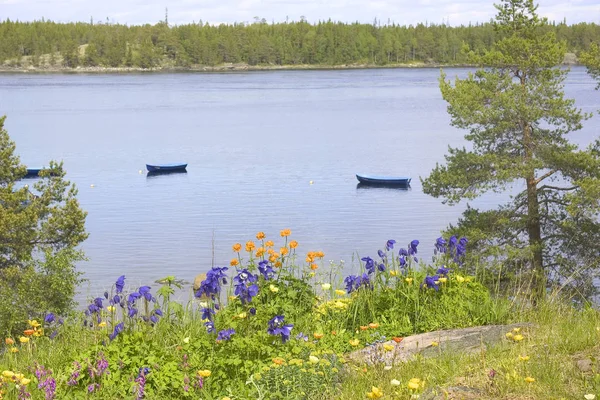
253 141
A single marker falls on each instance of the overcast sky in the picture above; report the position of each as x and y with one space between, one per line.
403 12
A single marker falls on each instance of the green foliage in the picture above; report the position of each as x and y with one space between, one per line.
40 229
591 59
325 43
517 120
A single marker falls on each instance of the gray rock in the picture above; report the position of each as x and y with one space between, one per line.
585 365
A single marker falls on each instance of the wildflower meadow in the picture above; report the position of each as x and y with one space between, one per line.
278 323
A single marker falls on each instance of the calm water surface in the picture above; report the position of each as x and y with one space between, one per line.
253 141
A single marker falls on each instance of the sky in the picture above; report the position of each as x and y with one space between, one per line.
403 12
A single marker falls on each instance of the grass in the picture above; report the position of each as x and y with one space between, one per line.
283 328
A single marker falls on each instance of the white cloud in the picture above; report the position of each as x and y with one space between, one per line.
230 11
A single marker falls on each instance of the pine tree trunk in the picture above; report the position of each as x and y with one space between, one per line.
535 239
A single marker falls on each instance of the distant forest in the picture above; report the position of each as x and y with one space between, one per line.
46 43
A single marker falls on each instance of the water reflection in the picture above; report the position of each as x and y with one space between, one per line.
153 174
402 187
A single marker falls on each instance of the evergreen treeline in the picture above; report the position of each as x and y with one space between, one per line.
325 43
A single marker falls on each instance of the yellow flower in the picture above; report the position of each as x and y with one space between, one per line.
110 309
269 243
260 235
313 359
14 350
443 280
234 262
395 382
186 340
340 292
434 344
589 396
354 342
25 381
326 286
237 247
250 246
226 398
34 323
283 251
459 279
529 379
23 339
524 358
415 384
293 244
102 324
393 273
518 338
516 330
388 347
375 393
242 315
285 232
278 361
509 335
318 335
409 280
273 288
205 373
8 374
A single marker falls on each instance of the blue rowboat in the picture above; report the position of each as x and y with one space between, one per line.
166 167
383 180
31 172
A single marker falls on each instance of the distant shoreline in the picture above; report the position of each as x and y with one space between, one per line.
218 68
5 69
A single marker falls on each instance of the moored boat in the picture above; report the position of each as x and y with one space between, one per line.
166 167
383 180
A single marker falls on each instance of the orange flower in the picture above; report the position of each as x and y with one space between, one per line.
309 258
364 328
260 251
234 262
277 264
397 339
283 251
269 243
9 341
318 335
293 244
237 247
319 254
278 361
250 246
314 266
333 333
373 325
285 232
28 332
272 258
260 235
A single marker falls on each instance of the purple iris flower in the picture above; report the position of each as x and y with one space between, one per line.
225 334
133 297
355 282
145 291
390 244
252 311
92 308
210 326
120 284
302 336
443 271
432 282
369 264
381 254
440 245
266 270
49 318
118 329
403 252
412 247
154 319
158 312
452 243
132 312
98 302
277 327
207 313
381 267
245 287
211 286
402 261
